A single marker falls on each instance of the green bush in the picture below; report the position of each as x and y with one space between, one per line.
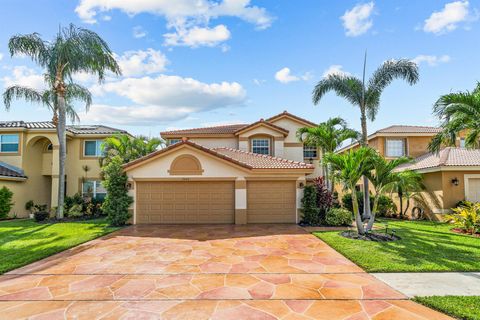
41 216
5 202
75 211
117 201
339 217
311 213
348 204
386 207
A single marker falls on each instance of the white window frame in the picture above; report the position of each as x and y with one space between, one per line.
98 151
307 148
17 143
94 191
267 146
173 141
403 148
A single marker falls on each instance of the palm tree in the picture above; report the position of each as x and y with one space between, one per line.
128 148
382 177
73 50
366 96
458 112
328 136
348 168
406 184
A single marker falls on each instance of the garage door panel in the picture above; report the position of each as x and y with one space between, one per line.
271 202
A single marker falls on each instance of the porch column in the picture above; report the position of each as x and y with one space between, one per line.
54 173
240 201
301 182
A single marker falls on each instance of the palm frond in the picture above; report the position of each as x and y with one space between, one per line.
19 92
30 45
347 87
77 92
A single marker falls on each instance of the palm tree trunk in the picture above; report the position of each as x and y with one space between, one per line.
61 132
364 142
408 206
400 197
374 211
356 212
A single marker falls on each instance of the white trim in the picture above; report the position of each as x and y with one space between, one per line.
448 168
268 145
466 183
85 149
442 211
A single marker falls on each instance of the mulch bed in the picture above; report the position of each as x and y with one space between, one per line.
461 231
372 236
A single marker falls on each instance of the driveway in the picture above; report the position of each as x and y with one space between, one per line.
202 272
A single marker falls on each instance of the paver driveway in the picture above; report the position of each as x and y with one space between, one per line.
202 272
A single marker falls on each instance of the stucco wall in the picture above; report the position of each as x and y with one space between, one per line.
217 142
418 146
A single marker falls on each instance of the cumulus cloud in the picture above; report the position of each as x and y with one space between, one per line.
197 36
335 69
186 17
24 76
285 75
357 21
141 62
448 18
431 60
138 32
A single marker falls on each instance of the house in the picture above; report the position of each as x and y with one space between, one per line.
246 173
29 161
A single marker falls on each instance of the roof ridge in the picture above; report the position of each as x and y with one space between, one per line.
208 127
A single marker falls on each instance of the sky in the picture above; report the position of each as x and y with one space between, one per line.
197 63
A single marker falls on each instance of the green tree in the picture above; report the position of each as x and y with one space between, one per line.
117 201
73 50
407 183
366 95
458 112
128 148
5 202
328 136
348 168
310 210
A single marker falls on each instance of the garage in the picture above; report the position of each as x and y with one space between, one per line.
271 202
473 190
185 202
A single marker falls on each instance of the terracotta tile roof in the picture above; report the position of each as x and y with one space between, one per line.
244 159
446 157
261 121
226 129
286 113
75 129
10 171
409 129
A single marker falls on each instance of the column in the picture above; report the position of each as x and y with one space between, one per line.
240 201
301 182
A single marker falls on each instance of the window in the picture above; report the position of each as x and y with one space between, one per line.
462 143
94 189
173 141
9 142
395 148
309 152
261 146
92 148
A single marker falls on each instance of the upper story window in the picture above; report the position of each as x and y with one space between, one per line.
462 143
92 148
173 141
9 142
395 148
309 152
261 145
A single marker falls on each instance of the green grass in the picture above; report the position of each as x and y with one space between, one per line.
460 307
424 247
25 241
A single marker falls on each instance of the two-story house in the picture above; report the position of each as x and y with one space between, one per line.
29 161
242 173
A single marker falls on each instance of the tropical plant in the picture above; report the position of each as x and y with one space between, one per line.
72 51
311 213
407 184
328 136
467 216
338 217
348 168
366 95
117 201
128 148
458 112
325 199
5 202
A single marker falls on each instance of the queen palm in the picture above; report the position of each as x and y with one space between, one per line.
458 112
366 95
328 136
73 50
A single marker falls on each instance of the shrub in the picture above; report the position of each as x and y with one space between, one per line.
324 196
348 204
117 201
5 202
41 216
467 217
385 207
75 211
311 213
339 217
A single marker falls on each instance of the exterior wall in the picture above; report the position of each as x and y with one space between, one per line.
217 142
276 140
17 187
417 146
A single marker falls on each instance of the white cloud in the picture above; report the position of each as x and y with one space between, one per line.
141 62
448 18
259 82
431 60
138 32
197 36
284 75
221 123
106 18
24 76
335 69
356 21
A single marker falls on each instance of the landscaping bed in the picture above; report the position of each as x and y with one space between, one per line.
460 307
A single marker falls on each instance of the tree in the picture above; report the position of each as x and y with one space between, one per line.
382 176
458 112
348 168
73 50
328 136
406 184
366 95
128 148
117 201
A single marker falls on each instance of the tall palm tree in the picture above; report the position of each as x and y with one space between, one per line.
366 95
348 168
328 136
73 50
458 112
128 148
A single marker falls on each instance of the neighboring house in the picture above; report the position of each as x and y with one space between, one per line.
248 173
29 161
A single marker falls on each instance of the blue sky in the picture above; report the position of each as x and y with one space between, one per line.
194 63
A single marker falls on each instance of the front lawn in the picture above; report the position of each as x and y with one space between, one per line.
460 307
25 241
425 246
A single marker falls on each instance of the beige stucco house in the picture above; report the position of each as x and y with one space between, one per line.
247 173
29 161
